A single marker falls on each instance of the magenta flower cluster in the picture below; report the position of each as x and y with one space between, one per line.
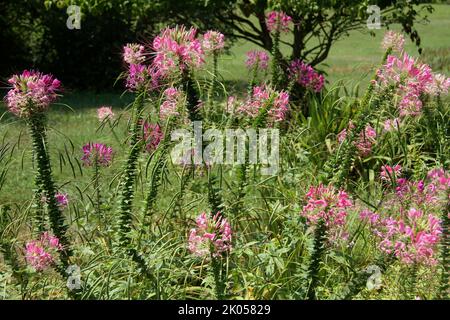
278 21
257 59
153 136
212 236
364 141
390 173
176 50
327 204
306 76
172 97
32 92
97 153
276 103
411 80
41 254
407 225
213 41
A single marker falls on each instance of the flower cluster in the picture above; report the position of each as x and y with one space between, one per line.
389 173
412 237
176 50
40 254
105 113
391 124
97 152
211 236
213 41
257 59
327 204
153 136
62 199
306 76
410 78
278 21
407 225
364 142
393 40
172 98
439 86
32 92
275 102
133 53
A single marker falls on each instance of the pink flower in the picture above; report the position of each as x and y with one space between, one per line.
105 113
393 40
138 74
411 79
97 152
278 21
62 199
276 103
213 41
172 98
257 59
391 124
439 86
413 238
211 236
365 140
306 76
389 173
40 254
327 204
31 92
176 50
153 136
133 53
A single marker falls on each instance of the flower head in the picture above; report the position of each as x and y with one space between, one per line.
278 21
97 152
62 199
133 53
40 254
172 99
31 92
211 236
176 50
153 136
393 40
389 173
257 59
306 76
213 41
275 102
364 142
105 113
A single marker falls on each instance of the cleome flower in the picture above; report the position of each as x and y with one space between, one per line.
176 50
210 236
32 92
97 152
278 21
257 59
306 76
41 254
105 112
276 103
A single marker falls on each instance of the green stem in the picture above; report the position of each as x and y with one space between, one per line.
45 179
